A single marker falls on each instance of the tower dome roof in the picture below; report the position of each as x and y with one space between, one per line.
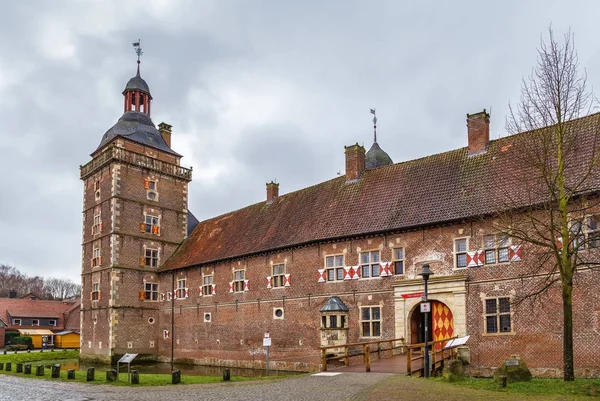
137 83
377 157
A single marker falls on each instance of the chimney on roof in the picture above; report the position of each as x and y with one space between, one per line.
355 161
272 191
478 126
165 132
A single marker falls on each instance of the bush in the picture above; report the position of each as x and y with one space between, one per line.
9 335
28 341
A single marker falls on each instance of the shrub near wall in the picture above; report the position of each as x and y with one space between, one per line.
8 337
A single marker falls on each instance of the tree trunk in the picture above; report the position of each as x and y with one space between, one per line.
567 296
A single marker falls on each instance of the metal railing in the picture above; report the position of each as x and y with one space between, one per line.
360 349
114 153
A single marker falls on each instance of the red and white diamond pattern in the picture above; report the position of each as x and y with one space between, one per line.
475 258
442 321
321 275
515 253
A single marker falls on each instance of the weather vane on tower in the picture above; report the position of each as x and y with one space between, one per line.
138 51
374 125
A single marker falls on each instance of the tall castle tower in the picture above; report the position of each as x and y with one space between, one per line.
134 217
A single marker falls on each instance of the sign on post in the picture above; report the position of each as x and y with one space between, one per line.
267 343
425 307
127 358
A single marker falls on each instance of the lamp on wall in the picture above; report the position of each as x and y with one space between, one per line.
425 273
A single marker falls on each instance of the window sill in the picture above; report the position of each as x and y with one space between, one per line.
511 333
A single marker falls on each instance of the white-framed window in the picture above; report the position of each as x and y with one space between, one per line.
51 322
151 224
207 282
97 225
151 189
370 320
586 234
398 259
151 291
278 275
497 315
334 267
16 322
496 248
238 280
181 288
461 245
97 189
369 264
95 295
35 322
151 257
96 255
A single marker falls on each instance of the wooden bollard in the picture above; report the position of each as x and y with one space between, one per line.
19 368
56 371
135 377
1 365
27 369
90 375
226 375
39 370
176 377
71 374
8 366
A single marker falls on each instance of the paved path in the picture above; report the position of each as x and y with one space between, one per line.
343 386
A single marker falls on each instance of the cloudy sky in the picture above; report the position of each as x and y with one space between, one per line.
255 90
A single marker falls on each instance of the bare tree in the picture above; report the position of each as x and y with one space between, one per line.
58 288
553 209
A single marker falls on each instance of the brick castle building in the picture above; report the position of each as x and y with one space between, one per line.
333 263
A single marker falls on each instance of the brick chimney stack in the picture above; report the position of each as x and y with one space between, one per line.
478 126
355 161
272 191
165 132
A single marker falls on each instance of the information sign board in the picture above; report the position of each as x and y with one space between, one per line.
425 307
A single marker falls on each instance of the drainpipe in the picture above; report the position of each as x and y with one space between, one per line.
172 316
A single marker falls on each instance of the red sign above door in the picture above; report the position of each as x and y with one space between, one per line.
413 295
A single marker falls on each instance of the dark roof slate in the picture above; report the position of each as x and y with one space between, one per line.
138 127
334 304
436 189
377 157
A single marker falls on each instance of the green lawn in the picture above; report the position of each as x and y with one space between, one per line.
100 377
38 356
579 387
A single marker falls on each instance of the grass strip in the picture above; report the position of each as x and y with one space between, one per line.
579 387
24 357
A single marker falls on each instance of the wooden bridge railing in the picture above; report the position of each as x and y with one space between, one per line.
415 361
363 349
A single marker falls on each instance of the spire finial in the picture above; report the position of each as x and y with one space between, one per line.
139 52
374 126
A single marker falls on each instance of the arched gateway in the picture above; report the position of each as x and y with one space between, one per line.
440 321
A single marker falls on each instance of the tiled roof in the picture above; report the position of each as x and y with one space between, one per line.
441 188
17 307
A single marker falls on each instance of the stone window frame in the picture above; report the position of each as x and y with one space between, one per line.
95 293
97 221
17 322
278 277
372 323
497 314
239 276
332 273
151 223
151 186
97 189
456 253
329 317
153 259
497 247
150 293
397 260
96 254
181 288
372 266
207 287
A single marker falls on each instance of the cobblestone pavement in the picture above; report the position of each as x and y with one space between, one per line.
344 386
